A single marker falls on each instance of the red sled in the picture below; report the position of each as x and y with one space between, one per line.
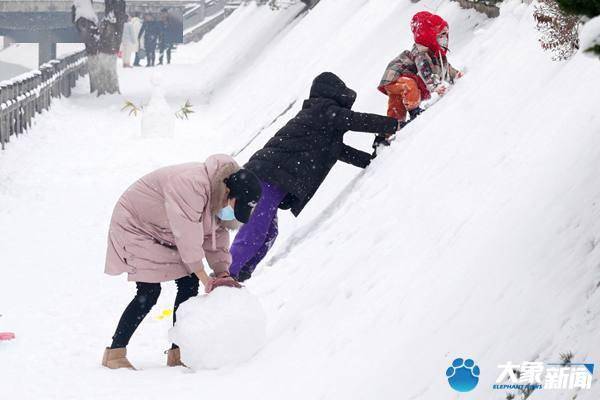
6 336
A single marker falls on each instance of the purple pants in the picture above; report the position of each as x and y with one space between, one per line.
256 238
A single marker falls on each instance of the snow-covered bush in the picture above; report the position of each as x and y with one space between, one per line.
560 22
559 30
590 36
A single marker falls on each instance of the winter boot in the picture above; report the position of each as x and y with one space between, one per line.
116 358
174 358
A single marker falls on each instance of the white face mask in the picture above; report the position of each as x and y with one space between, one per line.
443 41
226 213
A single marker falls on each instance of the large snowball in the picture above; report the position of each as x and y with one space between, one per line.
225 327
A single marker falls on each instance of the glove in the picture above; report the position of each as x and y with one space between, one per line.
381 140
441 90
415 113
244 275
223 279
406 88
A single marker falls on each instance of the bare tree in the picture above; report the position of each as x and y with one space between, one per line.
102 38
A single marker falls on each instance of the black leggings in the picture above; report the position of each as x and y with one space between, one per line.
165 48
145 298
150 48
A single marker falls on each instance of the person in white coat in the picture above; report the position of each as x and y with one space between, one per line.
129 43
136 22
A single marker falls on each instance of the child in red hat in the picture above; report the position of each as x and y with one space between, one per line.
414 74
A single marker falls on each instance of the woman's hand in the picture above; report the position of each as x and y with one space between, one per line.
222 279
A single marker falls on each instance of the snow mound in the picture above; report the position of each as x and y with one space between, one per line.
590 34
224 328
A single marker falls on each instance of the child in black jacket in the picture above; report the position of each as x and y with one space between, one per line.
295 162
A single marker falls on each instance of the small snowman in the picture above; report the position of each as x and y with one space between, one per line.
158 121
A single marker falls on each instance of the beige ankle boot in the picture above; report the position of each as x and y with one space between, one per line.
174 358
116 358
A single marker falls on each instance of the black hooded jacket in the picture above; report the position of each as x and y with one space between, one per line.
301 154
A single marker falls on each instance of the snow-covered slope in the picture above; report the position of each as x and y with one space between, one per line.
474 235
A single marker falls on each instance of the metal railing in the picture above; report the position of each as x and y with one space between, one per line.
27 95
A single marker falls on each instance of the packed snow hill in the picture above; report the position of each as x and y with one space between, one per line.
474 235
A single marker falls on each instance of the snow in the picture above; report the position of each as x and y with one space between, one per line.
590 34
225 328
85 9
475 235
9 70
20 58
203 22
157 118
24 54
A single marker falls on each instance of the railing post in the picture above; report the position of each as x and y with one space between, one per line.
37 82
28 103
13 108
46 76
3 119
19 107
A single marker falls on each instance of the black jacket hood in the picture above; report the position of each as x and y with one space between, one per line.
329 86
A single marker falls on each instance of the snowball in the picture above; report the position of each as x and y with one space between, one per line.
223 328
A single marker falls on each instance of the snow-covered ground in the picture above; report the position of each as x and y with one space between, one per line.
24 54
9 70
474 235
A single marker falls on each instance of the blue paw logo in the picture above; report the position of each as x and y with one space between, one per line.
463 375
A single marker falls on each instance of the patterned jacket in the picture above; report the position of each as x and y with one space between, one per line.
421 64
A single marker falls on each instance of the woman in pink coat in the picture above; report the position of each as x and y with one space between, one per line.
164 225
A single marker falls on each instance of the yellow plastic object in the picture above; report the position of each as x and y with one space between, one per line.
164 314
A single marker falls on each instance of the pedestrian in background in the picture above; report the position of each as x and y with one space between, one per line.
167 36
129 43
149 33
136 22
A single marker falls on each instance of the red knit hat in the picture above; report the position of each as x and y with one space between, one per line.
425 27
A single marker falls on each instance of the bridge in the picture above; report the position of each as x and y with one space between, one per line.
48 22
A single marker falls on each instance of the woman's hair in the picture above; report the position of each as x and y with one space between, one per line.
226 181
